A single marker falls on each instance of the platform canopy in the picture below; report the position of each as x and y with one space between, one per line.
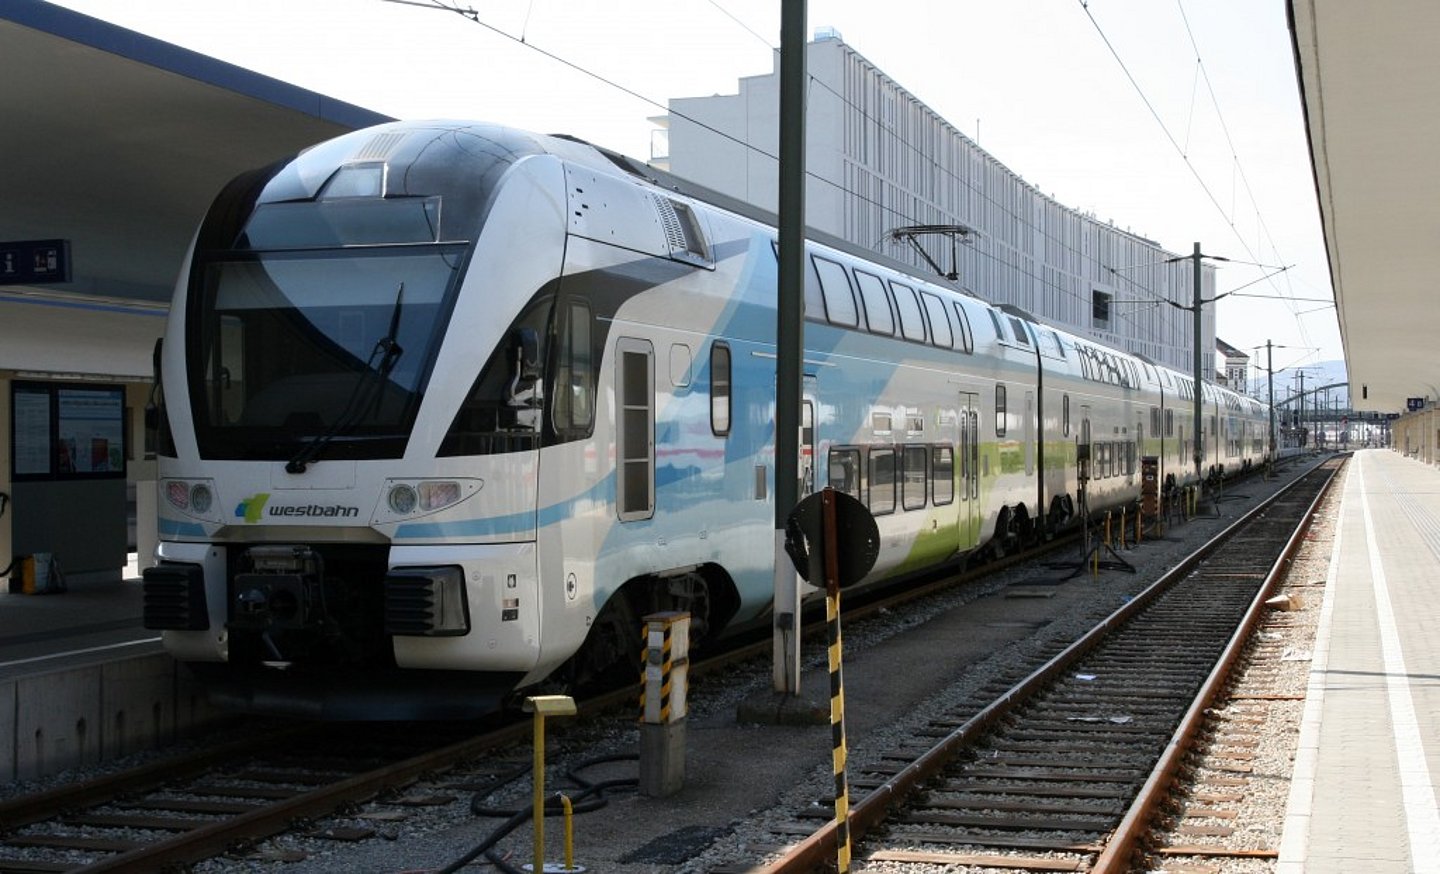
1370 82
117 142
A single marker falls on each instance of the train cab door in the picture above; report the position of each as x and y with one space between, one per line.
968 467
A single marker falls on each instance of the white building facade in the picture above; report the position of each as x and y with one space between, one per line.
878 159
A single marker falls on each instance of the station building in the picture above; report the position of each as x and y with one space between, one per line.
879 159
114 145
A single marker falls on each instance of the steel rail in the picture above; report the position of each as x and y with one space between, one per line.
818 849
1116 857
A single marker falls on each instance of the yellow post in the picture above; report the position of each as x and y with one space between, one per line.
543 706
569 832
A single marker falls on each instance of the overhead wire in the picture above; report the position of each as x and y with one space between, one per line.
1040 281
1190 165
472 15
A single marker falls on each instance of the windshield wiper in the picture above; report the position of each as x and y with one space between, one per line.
388 350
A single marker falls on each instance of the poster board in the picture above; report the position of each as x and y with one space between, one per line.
67 431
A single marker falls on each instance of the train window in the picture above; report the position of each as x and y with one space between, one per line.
1169 423
963 338
941 334
1000 418
1065 415
942 475
814 302
912 321
879 317
502 411
835 288
882 480
1154 420
844 471
1021 335
720 389
574 409
914 466
635 429
995 320
1059 347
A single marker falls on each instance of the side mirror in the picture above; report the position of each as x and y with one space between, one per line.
524 389
527 354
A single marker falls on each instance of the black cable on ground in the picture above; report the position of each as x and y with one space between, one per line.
553 807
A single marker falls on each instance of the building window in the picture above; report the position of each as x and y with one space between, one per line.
1100 309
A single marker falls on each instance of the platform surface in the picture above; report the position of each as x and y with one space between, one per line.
1363 796
88 622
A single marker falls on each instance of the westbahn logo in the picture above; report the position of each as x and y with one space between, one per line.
252 508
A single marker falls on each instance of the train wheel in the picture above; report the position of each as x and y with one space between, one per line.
608 655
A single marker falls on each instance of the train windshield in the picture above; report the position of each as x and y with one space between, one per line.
303 349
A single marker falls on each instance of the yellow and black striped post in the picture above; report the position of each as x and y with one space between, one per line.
837 687
663 703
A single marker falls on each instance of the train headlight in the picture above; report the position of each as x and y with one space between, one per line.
403 499
194 498
419 497
178 494
438 495
201 498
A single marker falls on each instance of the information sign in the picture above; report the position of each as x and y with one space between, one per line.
34 262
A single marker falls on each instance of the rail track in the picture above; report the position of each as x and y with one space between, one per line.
226 799
1065 770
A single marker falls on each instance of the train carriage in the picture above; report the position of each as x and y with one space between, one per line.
447 407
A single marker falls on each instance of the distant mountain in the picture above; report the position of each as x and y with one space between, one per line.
1317 375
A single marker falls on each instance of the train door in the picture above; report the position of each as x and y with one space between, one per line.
1134 451
969 470
1030 433
1085 463
806 470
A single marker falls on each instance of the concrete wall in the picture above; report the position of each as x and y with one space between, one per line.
1417 434
82 716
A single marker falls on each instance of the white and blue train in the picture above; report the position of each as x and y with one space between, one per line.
447 406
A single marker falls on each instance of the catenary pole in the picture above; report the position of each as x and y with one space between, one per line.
1199 400
789 334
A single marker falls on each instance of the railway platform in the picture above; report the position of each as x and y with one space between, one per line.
82 680
1363 795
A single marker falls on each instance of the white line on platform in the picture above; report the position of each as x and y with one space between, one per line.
1418 794
74 652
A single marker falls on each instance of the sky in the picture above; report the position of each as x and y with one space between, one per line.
1180 121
